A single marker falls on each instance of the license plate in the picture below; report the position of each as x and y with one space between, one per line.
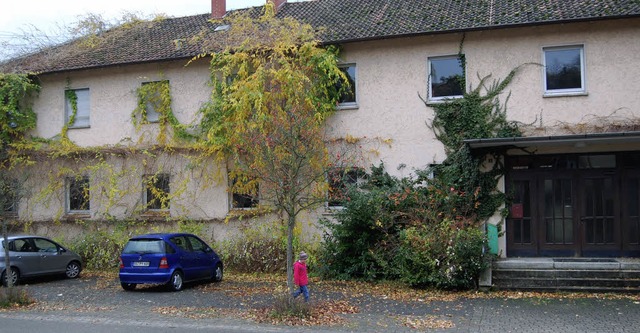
140 264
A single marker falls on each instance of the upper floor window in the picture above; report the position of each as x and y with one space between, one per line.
564 70
245 197
348 97
78 195
446 77
152 98
77 108
157 190
340 180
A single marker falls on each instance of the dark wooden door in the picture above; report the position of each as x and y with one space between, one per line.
599 220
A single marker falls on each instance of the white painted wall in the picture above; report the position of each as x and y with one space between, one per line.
391 120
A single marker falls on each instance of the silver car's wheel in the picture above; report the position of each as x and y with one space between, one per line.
13 276
73 270
176 281
217 275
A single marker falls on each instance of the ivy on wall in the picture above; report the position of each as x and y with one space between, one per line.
478 114
155 97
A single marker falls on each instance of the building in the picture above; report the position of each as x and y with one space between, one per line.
574 176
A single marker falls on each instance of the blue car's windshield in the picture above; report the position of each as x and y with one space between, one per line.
141 246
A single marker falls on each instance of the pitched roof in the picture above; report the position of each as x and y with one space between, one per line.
343 21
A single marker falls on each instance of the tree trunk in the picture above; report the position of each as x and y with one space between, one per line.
291 223
7 262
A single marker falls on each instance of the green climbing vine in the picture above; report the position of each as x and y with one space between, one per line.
478 114
70 96
154 100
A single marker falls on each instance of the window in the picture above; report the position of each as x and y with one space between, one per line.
340 180
151 99
197 245
348 97
9 197
156 194
564 70
78 196
81 116
44 245
446 77
243 198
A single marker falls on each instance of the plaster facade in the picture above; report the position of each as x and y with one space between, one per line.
390 121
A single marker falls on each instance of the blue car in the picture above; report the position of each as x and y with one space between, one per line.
170 259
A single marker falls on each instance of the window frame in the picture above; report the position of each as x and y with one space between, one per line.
165 178
582 90
359 179
354 88
430 62
71 182
84 109
254 201
10 208
150 108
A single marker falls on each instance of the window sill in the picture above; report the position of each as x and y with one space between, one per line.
443 100
564 94
72 216
347 106
79 127
331 210
154 214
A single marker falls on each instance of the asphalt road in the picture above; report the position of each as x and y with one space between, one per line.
97 306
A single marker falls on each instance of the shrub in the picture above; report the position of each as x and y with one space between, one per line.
442 256
401 229
100 249
257 249
285 307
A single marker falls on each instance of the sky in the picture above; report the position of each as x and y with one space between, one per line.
48 21
46 15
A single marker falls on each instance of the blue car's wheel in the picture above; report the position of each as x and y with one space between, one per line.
128 286
175 284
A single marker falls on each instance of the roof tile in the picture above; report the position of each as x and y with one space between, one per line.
343 21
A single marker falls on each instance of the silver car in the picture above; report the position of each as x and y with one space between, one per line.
32 256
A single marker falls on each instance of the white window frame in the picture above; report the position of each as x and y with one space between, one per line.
354 104
153 116
430 61
145 196
69 182
83 114
360 179
582 90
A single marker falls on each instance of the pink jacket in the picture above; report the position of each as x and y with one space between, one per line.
300 274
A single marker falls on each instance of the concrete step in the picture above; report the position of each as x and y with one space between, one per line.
569 274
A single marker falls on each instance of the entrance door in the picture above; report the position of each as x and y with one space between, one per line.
599 218
573 206
557 225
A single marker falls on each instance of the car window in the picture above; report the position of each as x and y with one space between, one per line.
197 245
44 245
181 242
23 245
142 246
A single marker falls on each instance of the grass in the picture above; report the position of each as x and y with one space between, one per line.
15 297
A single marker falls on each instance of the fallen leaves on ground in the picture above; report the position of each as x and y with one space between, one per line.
193 312
325 313
425 322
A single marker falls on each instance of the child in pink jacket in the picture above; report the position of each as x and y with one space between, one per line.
300 276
